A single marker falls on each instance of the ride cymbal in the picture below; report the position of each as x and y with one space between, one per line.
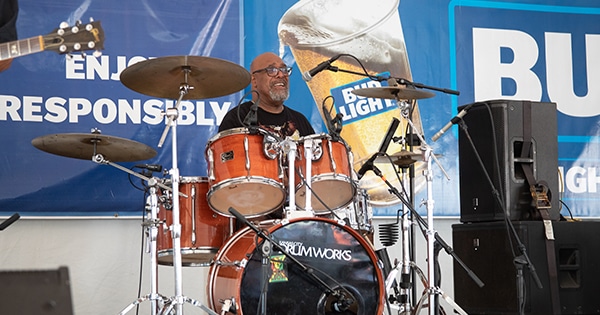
393 93
207 77
82 145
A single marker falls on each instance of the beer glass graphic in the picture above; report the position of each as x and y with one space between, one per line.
371 31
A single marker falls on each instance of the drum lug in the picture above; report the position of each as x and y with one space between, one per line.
246 148
211 163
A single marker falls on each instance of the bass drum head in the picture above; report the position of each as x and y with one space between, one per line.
335 253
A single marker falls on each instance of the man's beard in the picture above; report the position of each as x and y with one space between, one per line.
279 96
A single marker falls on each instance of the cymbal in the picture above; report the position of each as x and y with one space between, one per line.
391 92
402 158
208 77
81 146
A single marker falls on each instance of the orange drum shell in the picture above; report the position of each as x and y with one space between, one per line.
325 177
211 229
237 171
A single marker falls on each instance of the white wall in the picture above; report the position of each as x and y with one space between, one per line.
103 257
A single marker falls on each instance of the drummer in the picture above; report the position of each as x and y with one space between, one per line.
270 85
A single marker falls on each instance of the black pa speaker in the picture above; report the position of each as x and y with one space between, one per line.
485 248
497 130
36 292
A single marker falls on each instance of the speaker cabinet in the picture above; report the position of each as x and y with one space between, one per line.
485 248
496 128
36 292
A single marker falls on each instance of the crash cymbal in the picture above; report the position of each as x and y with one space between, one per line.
207 77
390 92
81 146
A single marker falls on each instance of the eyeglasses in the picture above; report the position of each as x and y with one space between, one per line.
272 71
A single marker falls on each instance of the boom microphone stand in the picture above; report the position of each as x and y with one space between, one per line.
519 261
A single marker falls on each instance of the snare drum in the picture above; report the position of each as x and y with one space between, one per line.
202 230
336 254
244 172
330 174
358 214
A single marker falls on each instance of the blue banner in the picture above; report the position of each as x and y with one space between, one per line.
523 50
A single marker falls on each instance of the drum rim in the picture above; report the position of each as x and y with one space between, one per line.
234 131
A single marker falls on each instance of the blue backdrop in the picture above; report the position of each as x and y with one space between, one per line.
45 93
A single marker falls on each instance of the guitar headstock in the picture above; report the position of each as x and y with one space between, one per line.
79 37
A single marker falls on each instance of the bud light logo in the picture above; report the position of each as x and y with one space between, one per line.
354 107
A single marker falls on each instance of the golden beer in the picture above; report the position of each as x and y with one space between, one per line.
317 30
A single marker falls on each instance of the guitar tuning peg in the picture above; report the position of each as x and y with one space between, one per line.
97 53
77 46
62 48
78 22
69 56
63 25
91 19
91 44
83 54
89 27
74 29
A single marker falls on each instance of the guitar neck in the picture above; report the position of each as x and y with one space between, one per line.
21 47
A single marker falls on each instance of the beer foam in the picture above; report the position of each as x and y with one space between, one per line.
336 27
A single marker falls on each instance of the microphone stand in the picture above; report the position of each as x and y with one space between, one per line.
431 235
523 259
399 80
328 290
12 219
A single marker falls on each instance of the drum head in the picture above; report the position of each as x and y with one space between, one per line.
335 254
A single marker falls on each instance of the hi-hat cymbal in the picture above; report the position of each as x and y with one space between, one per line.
402 158
81 146
208 77
393 93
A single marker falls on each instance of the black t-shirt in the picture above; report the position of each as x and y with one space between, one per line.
283 124
8 20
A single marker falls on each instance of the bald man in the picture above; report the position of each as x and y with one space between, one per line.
270 81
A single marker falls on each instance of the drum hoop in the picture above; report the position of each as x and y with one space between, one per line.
188 180
234 131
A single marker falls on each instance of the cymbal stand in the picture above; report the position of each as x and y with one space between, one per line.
432 289
151 224
175 228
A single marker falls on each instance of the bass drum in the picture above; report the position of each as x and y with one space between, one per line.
334 253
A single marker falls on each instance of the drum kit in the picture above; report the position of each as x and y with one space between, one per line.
316 257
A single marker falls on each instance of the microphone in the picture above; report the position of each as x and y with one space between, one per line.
368 165
150 167
455 120
308 75
251 118
389 135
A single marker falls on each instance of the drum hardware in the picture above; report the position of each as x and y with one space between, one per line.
432 291
337 298
194 72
